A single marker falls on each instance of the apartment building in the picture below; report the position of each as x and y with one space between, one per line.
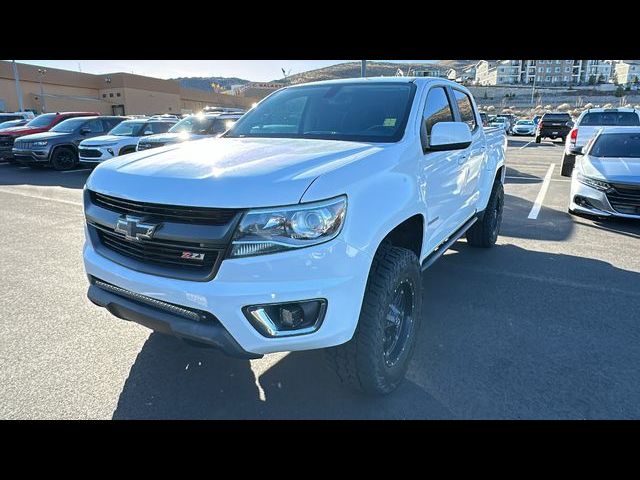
543 72
627 72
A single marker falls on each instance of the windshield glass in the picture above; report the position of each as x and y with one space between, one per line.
524 122
128 129
610 119
43 120
369 112
625 145
11 123
68 126
200 125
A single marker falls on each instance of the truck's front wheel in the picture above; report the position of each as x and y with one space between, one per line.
376 359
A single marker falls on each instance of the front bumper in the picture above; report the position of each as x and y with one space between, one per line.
590 201
93 161
523 132
334 271
31 157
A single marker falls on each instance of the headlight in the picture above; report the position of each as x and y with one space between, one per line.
285 228
42 143
593 183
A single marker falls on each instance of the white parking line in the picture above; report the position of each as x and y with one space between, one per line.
77 170
40 197
526 145
535 210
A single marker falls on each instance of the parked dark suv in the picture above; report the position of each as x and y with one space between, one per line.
59 146
554 125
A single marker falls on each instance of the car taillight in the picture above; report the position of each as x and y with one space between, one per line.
573 136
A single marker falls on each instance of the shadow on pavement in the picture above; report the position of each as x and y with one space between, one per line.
553 225
622 226
14 175
507 333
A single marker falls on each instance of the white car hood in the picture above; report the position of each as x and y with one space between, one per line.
226 172
102 139
615 170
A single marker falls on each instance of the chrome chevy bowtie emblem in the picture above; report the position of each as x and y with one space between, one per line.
134 228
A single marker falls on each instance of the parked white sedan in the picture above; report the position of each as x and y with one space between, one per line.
524 127
606 178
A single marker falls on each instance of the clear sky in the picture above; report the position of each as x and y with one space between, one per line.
255 70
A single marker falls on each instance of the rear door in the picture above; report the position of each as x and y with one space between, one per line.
471 159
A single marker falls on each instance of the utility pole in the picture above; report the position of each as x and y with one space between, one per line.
533 88
43 103
363 68
16 76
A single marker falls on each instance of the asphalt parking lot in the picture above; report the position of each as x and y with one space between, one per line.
544 325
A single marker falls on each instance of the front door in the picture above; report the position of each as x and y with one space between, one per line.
117 109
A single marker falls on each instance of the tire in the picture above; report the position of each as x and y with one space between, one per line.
568 162
538 139
126 150
372 362
64 158
484 233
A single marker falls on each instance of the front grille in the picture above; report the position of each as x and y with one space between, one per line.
166 253
89 153
6 141
172 213
625 198
23 145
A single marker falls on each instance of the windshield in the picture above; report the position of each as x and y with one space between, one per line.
200 125
68 126
128 129
610 119
43 120
369 112
11 123
625 145
524 122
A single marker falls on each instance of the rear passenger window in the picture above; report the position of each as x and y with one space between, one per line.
437 108
466 109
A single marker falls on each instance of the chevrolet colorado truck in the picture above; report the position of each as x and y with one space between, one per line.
307 225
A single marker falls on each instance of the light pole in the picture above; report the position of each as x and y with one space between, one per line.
363 68
43 104
16 76
533 88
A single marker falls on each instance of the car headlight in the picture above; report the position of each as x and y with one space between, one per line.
593 183
271 230
41 143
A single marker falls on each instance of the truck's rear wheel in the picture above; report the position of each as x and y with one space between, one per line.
484 232
376 359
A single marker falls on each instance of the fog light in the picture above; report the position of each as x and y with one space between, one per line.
287 319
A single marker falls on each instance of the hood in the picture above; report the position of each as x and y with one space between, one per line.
44 136
610 169
167 137
226 172
102 139
20 131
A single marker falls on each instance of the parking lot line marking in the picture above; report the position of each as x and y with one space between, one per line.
525 146
77 170
41 197
23 168
535 210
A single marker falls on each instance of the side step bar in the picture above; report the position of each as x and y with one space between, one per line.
443 247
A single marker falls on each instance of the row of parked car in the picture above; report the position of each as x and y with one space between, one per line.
65 140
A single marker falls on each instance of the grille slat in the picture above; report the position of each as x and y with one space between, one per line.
625 199
174 213
89 153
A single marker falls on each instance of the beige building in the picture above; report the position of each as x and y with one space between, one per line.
52 89
627 72
258 89
543 72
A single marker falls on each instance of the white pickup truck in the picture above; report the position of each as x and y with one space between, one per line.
307 225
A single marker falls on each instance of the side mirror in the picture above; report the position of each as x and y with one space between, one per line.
448 136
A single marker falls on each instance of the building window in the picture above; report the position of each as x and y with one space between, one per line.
541 69
568 69
111 95
118 94
548 69
557 69
547 78
104 95
566 79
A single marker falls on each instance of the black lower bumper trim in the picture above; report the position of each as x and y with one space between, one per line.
214 335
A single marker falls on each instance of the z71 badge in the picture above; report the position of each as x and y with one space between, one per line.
192 256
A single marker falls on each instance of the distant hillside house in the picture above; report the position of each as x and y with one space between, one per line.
543 72
627 72
431 71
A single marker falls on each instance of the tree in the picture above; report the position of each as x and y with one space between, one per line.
592 80
619 91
